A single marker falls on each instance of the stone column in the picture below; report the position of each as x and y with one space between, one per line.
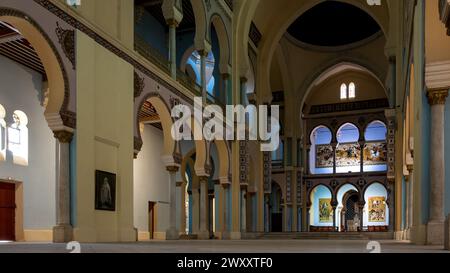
226 211
362 143
203 54
172 232
225 87
203 234
409 204
334 145
334 204
182 215
173 14
266 213
63 232
435 228
173 24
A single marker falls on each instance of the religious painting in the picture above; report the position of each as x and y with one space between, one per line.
348 155
375 153
377 209
324 156
325 211
105 191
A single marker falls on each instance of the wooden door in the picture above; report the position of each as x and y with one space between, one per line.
151 219
7 212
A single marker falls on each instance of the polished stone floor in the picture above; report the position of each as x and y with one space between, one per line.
250 246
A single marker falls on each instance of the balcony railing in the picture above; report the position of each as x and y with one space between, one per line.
151 53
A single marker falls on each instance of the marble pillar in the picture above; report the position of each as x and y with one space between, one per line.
226 211
182 191
63 231
203 233
172 232
435 227
173 24
203 54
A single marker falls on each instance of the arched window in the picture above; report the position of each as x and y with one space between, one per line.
343 91
352 91
375 149
2 133
321 153
376 210
348 150
194 62
18 138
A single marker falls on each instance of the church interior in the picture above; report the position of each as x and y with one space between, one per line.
88 154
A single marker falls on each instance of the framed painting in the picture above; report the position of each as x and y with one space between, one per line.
105 191
324 156
348 155
377 209
375 153
325 211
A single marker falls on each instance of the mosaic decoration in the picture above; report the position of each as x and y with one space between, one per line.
324 156
377 209
375 153
325 211
348 155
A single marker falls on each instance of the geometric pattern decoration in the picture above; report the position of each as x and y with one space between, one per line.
288 187
390 116
267 172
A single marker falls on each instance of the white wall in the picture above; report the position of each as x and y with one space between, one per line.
20 90
151 181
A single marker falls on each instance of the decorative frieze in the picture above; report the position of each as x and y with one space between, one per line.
66 38
288 187
267 172
139 85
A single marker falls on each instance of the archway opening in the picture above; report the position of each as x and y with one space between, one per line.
321 212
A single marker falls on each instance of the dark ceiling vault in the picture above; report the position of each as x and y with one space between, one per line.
333 23
154 7
18 49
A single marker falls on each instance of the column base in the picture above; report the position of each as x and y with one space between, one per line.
203 235
62 233
399 235
226 235
435 233
172 234
235 235
419 234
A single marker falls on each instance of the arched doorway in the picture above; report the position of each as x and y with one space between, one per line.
350 214
38 164
276 209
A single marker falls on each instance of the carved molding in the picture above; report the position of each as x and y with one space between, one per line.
437 75
66 38
139 85
63 136
437 97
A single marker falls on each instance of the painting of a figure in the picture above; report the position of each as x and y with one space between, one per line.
324 156
377 209
375 153
105 191
348 155
325 211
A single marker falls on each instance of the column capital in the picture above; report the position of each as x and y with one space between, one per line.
172 169
203 53
63 136
203 179
172 23
437 96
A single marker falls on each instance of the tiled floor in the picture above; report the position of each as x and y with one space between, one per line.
253 246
